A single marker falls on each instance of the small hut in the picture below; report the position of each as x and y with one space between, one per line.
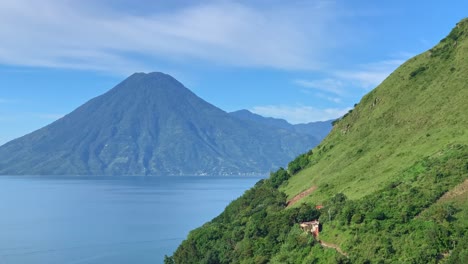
312 227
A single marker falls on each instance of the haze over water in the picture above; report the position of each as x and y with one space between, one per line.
87 220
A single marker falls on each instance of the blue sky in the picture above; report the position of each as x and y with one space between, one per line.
298 60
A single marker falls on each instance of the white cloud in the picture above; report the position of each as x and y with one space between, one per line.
299 114
69 34
326 85
333 99
365 76
369 75
364 79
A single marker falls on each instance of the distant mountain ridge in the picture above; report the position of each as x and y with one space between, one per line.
150 124
319 129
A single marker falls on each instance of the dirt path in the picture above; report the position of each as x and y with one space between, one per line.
337 248
460 189
303 194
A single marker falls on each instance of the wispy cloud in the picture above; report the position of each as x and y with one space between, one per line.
326 85
342 83
369 75
299 114
70 34
333 99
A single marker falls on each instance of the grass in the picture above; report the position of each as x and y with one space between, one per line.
381 172
412 114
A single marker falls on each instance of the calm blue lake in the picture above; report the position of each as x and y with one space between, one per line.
71 220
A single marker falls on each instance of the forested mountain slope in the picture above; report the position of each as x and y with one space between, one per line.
150 124
318 129
391 179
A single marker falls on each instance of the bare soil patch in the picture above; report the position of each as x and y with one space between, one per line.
299 197
457 191
336 247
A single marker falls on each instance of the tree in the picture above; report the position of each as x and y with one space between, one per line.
168 260
278 177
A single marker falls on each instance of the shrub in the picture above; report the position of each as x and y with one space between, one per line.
418 71
278 177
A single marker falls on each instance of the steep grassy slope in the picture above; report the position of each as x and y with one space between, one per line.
417 110
391 177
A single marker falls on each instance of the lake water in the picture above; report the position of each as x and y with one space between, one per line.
83 220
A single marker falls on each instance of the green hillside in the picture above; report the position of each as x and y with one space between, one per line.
418 110
392 177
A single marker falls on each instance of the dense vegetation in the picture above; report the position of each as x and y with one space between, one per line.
253 229
403 223
392 177
400 223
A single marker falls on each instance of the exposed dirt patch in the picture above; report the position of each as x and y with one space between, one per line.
303 194
456 193
336 247
460 189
